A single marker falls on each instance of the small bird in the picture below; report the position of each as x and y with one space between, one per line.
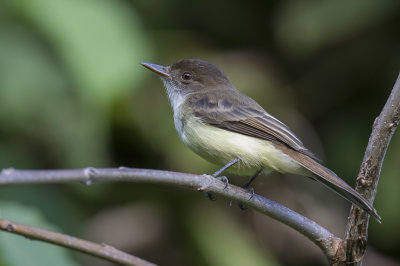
232 130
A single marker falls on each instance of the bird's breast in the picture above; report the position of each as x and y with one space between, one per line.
221 146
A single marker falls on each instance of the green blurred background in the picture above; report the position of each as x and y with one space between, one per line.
72 94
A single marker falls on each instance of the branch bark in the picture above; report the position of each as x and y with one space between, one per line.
353 247
99 250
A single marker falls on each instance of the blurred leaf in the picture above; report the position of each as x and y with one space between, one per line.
222 241
17 250
306 26
29 79
54 202
100 41
39 114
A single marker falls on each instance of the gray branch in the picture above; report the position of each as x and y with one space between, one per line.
316 233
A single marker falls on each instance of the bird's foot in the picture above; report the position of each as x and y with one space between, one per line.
210 196
224 179
251 191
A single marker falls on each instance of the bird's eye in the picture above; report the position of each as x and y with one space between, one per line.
187 76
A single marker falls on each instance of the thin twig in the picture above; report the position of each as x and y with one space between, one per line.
316 233
99 250
355 243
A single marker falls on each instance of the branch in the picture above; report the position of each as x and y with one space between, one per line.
385 124
338 251
99 250
316 233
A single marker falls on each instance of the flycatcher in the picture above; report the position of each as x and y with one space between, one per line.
230 129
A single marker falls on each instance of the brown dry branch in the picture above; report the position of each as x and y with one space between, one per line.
353 248
99 250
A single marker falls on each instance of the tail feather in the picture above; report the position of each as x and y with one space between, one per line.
332 181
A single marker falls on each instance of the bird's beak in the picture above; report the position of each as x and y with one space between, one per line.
160 70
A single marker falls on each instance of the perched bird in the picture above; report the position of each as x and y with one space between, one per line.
232 130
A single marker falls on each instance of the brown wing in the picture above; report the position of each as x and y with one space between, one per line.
243 115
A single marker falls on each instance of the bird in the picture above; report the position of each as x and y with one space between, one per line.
230 129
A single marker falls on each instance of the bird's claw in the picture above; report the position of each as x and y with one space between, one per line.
251 191
224 179
242 207
210 196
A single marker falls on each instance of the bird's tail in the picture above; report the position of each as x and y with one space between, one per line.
332 181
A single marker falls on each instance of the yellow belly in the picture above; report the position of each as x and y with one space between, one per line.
222 146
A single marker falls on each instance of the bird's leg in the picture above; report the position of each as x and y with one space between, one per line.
247 185
217 173
250 189
222 178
